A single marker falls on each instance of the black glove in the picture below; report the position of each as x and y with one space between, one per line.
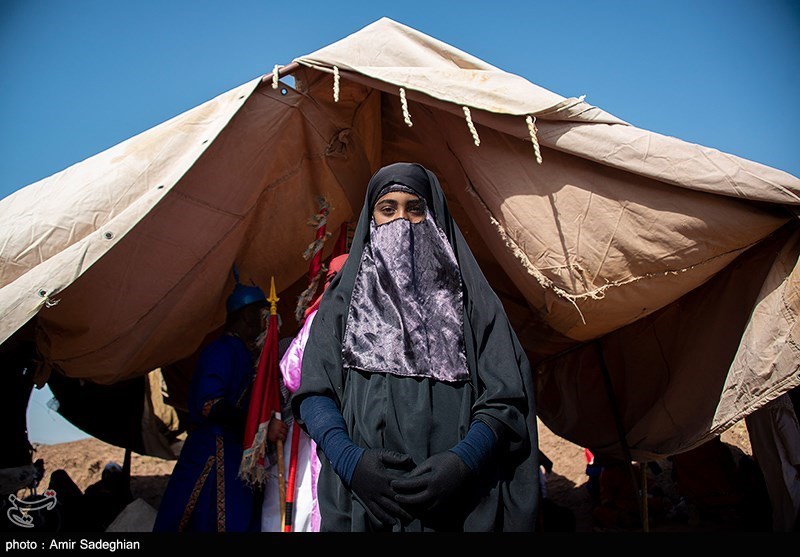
434 484
372 480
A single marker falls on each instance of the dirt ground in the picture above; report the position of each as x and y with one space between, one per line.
567 485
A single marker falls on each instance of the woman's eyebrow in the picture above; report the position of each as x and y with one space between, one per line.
388 202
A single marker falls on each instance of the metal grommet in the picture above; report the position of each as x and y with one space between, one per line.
284 91
42 293
204 142
161 187
108 235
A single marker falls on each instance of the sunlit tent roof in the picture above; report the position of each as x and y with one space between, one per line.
642 273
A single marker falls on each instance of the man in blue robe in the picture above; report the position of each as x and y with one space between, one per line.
204 493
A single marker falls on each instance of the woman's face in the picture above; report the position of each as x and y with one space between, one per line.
399 205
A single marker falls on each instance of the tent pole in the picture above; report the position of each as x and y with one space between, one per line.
620 430
645 517
282 71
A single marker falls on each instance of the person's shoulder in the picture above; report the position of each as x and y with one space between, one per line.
224 344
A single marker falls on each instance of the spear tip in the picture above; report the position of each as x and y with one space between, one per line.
273 297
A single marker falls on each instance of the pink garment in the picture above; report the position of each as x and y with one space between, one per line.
291 368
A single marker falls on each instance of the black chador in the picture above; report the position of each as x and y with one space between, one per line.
412 352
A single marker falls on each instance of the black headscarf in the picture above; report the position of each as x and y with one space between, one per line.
500 374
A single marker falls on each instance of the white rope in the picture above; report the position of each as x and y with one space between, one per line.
532 131
275 75
335 84
471 126
404 103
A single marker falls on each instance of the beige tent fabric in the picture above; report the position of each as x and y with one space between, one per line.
393 53
162 435
152 298
771 343
59 226
669 372
620 234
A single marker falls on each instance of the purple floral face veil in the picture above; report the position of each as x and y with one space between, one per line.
406 312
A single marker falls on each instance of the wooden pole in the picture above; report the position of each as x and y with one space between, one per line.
273 310
620 430
281 480
282 71
645 518
291 490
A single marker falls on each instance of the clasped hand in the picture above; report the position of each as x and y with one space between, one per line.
393 489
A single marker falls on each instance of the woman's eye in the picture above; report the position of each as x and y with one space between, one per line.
387 210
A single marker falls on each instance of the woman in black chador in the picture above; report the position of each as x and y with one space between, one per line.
414 384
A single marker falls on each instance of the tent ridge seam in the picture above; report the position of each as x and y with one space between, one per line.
599 293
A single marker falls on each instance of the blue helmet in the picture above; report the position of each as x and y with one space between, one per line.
244 295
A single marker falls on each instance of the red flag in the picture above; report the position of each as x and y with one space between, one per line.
264 401
314 253
316 262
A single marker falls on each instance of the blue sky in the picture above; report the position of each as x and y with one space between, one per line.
80 76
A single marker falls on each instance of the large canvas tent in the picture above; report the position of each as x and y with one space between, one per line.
654 283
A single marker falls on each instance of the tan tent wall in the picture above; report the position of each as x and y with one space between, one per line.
167 279
670 370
